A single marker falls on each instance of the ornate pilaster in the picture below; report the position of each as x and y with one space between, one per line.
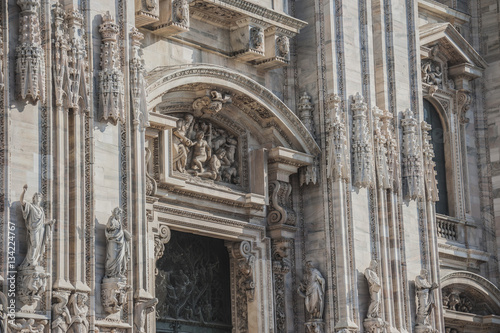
281 267
431 190
338 155
30 63
361 145
138 83
111 89
244 262
411 157
60 62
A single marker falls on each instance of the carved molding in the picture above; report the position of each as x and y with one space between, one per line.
430 173
111 90
338 155
411 163
114 294
280 204
361 144
464 101
30 62
137 82
245 280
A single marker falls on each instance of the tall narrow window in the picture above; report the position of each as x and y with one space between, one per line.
432 117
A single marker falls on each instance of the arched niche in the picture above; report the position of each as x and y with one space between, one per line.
271 113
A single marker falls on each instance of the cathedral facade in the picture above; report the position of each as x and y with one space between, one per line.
246 166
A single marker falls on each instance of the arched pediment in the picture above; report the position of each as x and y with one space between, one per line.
270 111
484 295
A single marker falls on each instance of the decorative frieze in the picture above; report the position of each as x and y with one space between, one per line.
362 160
430 174
30 62
411 163
137 82
111 90
71 68
338 166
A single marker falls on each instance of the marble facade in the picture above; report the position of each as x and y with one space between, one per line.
249 166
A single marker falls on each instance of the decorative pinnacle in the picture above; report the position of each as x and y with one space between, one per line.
108 28
136 36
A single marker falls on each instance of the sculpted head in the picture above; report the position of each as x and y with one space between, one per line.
117 212
424 273
37 198
373 264
188 118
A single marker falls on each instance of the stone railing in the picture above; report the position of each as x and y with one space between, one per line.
447 227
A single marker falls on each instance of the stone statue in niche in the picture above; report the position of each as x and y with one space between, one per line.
32 278
114 286
312 289
432 73
117 246
141 310
39 230
61 318
203 149
79 322
374 284
425 298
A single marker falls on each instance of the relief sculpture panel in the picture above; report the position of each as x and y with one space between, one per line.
203 149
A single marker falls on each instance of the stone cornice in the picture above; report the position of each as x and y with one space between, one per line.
456 49
441 10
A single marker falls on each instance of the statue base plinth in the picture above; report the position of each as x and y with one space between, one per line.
374 325
315 326
114 294
32 284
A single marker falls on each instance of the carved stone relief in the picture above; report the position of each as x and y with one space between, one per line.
211 104
430 174
432 73
29 325
79 311
30 62
137 82
111 90
61 318
458 300
192 284
338 155
282 46
180 12
361 144
312 289
281 267
280 204
203 149
411 163
257 38
141 310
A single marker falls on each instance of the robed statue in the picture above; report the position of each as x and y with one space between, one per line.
374 285
118 246
312 288
38 229
425 297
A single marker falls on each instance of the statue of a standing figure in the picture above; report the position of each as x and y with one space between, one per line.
182 142
79 322
374 283
39 230
118 249
425 297
312 288
141 310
